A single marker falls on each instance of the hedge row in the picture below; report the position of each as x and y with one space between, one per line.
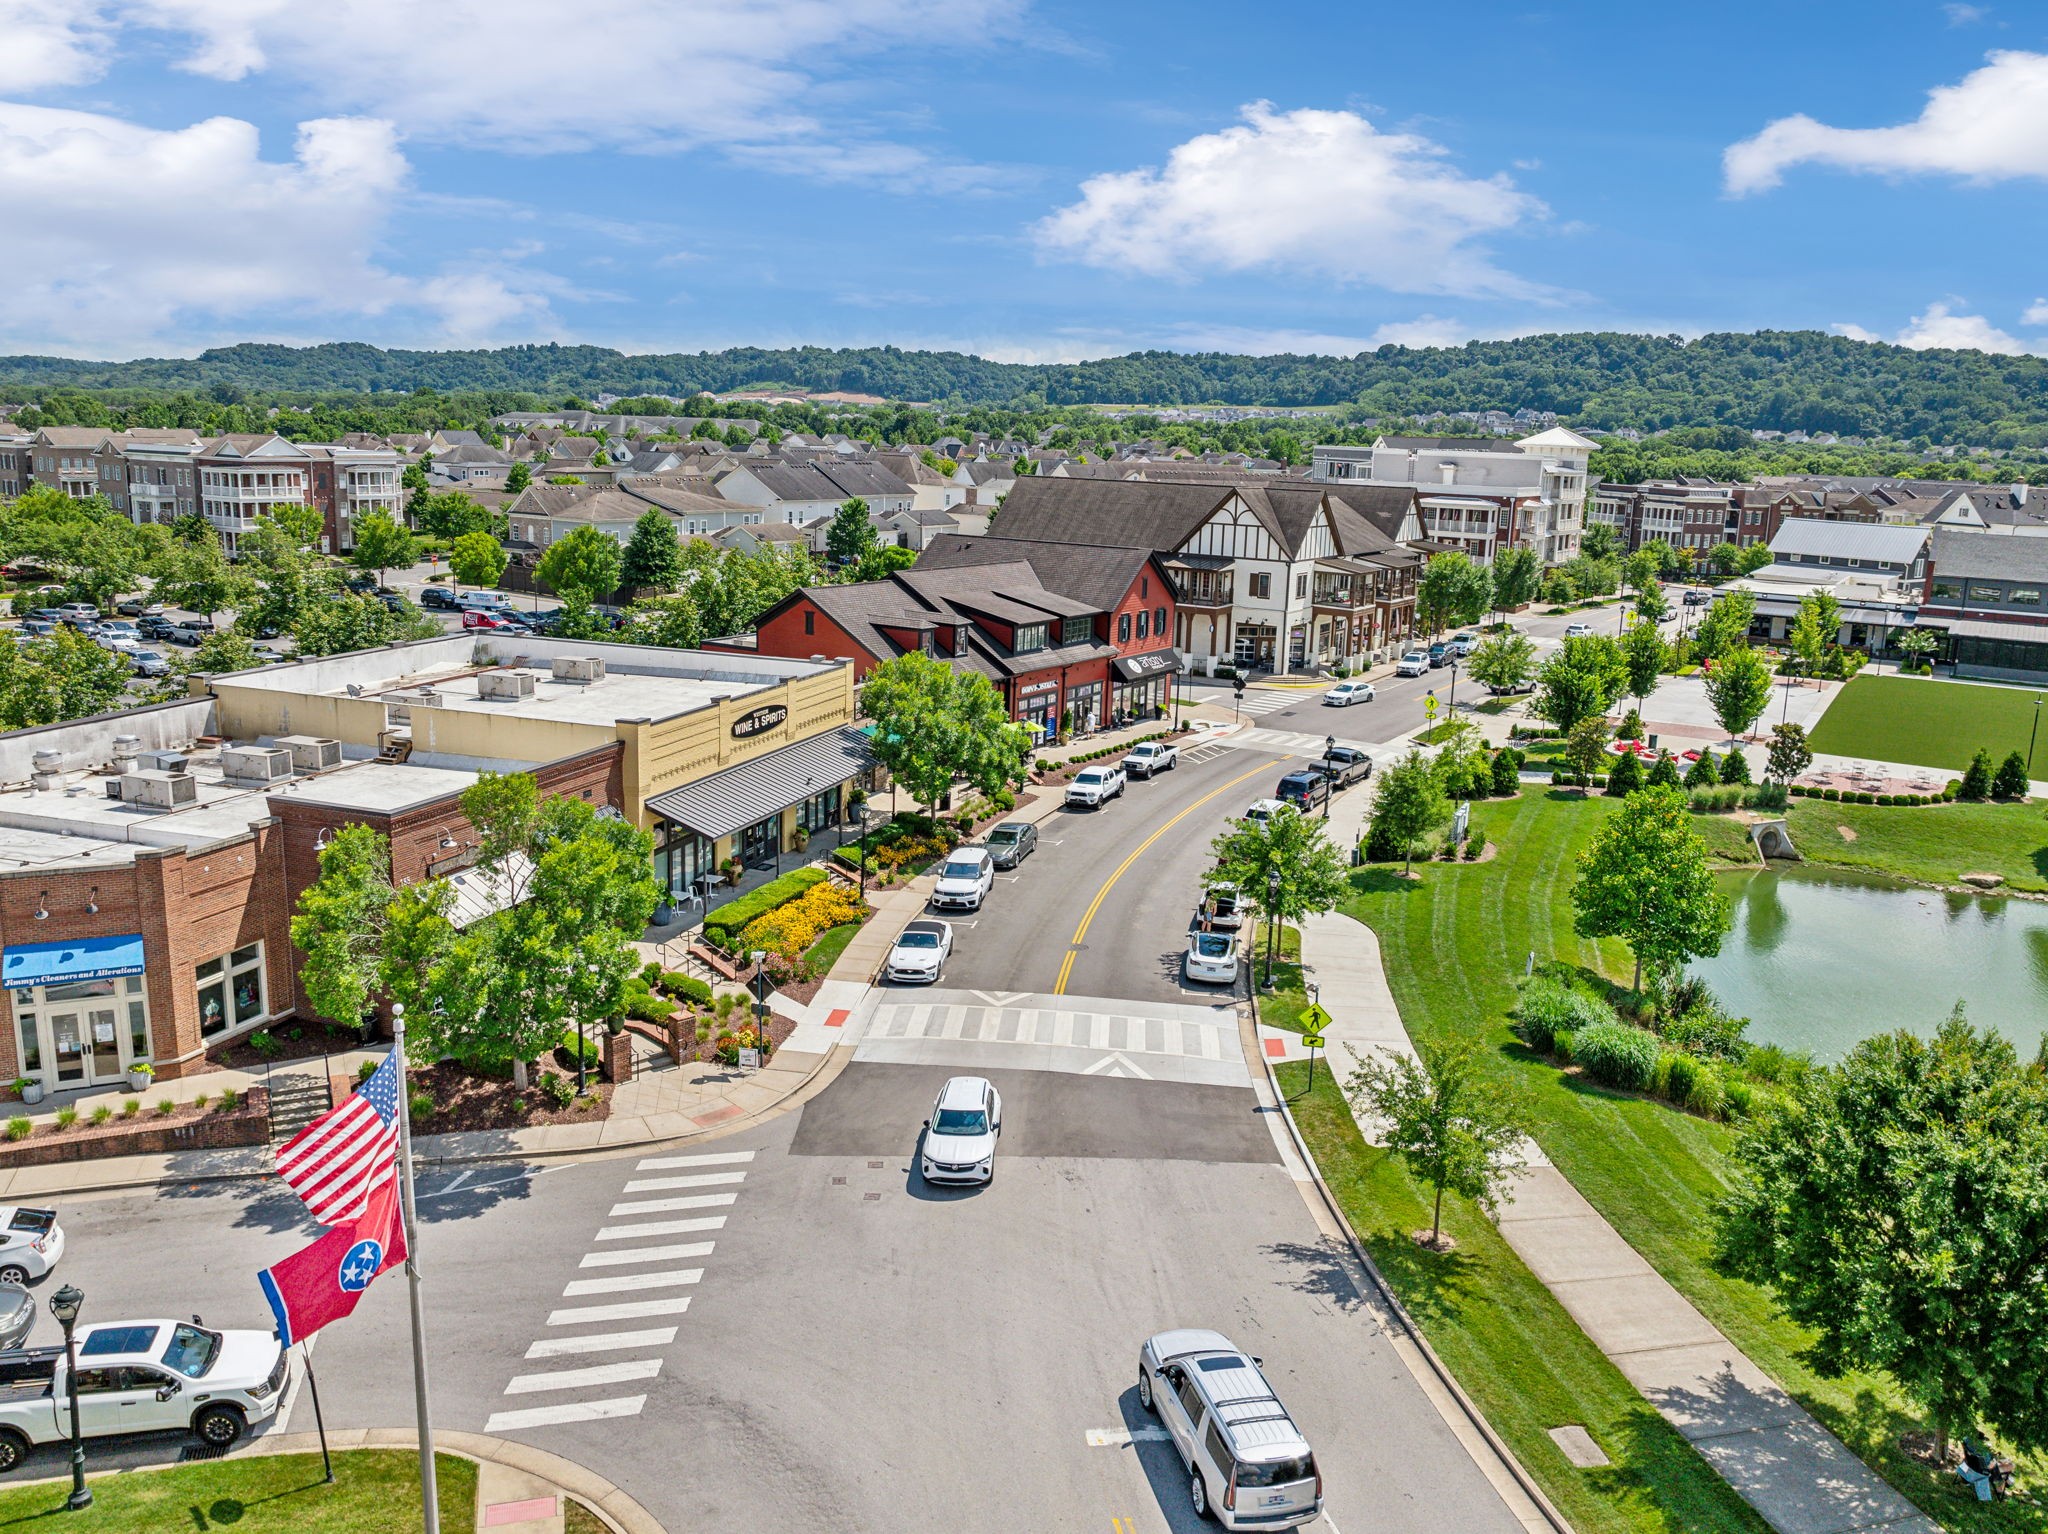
1047 764
728 919
1856 796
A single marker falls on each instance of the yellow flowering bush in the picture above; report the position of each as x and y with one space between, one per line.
790 929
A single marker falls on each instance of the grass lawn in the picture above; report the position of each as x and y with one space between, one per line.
375 1491
1928 723
1453 944
1282 1006
1511 1345
830 944
1932 843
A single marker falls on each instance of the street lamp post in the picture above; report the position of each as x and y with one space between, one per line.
1451 703
65 1305
1330 777
1272 921
2032 733
862 811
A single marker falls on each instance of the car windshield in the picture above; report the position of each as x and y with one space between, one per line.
1211 945
192 1351
918 940
966 870
1277 1472
960 1121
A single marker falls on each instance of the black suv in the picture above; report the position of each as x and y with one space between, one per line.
155 626
1304 790
436 597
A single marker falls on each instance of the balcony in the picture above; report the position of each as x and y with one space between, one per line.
1340 596
1206 595
72 473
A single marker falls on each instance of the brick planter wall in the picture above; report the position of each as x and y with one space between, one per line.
248 1124
617 1064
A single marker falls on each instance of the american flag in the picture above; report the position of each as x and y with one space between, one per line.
335 1162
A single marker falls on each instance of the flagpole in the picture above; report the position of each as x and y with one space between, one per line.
429 1498
319 1421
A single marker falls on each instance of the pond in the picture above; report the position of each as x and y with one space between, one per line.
1818 960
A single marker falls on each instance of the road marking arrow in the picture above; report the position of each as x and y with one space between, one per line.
1115 1064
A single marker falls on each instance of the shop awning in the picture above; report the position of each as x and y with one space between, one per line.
740 796
1136 668
91 958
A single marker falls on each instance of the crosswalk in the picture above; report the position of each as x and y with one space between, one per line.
630 1282
1267 702
1291 742
1081 1035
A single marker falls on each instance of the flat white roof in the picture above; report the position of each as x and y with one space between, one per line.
603 703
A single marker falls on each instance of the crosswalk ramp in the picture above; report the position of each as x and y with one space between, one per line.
637 1270
1147 1041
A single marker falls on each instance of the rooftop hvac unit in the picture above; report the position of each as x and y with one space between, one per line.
579 668
504 684
311 753
163 761
414 697
255 764
149 789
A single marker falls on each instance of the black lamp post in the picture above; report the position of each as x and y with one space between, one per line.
64 1305
2032 733
1330 776
1272 921
1451 703
862 811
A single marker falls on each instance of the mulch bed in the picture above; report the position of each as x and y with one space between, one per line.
779 1030
146 1132
465 1100
313 1042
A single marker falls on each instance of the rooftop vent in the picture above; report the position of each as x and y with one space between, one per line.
255 764
579 668
163 761
311 753
126 749
504 684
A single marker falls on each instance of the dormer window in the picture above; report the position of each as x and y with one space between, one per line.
1030 637
1074 631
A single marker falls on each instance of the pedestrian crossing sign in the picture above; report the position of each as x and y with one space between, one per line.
1315 1019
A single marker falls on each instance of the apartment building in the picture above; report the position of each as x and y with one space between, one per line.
242 478
349 483
1479 494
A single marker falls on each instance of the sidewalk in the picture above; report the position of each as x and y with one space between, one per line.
1794 1472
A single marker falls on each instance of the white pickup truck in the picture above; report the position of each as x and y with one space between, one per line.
141 1377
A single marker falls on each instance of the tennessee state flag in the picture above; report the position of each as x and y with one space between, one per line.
323 1282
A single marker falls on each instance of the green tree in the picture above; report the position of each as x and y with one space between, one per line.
1790 752
1897 1206
1704 772
382 544
1754 557
883 563
518 477
477 559
1294 846
1663 772
1724 625
673 622
1585 749
989 749
1625 776
1517 574
343 621
654 555
1503 662
1645 654
338 927
1807 638
1640 570
1583 678
1724 558
195 575
851 538
449 514
1452 590
1455 1128
1645 879
1409 803
1739 688
1915 644
1599 541
1976 785
65 676
910 700
582 566
2011 782
1651 606
1734 767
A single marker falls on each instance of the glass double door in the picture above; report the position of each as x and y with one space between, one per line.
87 1043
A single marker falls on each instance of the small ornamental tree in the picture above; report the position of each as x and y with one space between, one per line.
382 544
1454 1127
1663 772
582 566
1735 766
1409 803
654 555
1739 688
1790 753
1916 645
1295 846
1704 773
1645 654
1585 750
2011 781
1625 776
1503 662
1976 785
518 477
851 537
1507 772
477 559
1645 879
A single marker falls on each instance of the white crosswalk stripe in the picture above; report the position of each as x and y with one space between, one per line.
1256 701
641 1295
1079 1034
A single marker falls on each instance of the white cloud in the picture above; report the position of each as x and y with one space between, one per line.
126 236
41 45
1941 326
1308 192
1990 126
1963 15
648 75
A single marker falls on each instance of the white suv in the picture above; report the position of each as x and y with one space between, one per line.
1414 663
1096 786
965 880
960 1136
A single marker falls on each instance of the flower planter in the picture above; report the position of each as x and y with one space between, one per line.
140 1080
31 1091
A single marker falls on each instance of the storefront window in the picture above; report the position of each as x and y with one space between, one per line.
683 860
245 978
31 1045
231 991
819 812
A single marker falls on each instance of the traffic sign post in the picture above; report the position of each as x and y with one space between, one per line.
1313 1022
1429 707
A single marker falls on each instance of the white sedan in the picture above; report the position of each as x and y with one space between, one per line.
31 1241
1211 958
1350 690
960 1136
1577 630
965 880
920 954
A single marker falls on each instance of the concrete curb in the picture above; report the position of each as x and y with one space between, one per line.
1524 1482
618 1510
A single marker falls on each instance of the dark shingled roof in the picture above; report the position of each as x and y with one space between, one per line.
1093 574
1162 516
1992 556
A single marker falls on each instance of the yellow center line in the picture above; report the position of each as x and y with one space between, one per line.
1087 916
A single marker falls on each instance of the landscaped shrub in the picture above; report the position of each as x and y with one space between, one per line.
686 987
730 1045
650 974
421 1105
1740 1097
230 1100
165 1107
2011 781
1626 777
66 1117
1831 794
1557 777
365 1071
1765 796
102 1112
571 1047
793 927
1781 1067
559 1091
1616 1054
723 923
131 1107
1663 772
1976 784
1735 767
1800 790
1507 766
1682 1074
266 1043
1550 1006
1703 773
19 1128
646 1007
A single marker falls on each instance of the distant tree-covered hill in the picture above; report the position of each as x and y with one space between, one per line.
1776 380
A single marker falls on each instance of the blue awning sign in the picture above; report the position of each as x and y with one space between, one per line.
91 958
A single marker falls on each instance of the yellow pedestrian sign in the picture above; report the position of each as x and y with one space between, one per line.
1429 705
1312 1041
1314 1021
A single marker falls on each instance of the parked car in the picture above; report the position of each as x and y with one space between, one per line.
437 599
1262 810
1414 663
920 954
37 628
31 1243
49 615
394 601
115 629
149 662
1148 757
478 618
154 626
1249 1467
960 1136
1439 655
1697 598
1354 689
78 612
1096 786
1304 790
1211 958
1011 843
1464 643
1344 765
1222 908
483 601
965 879
189 633
17 1315
142 1377
1577 630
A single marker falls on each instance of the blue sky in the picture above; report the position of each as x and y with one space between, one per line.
1028 179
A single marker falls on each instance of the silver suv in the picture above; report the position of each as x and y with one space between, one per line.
1248 1465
